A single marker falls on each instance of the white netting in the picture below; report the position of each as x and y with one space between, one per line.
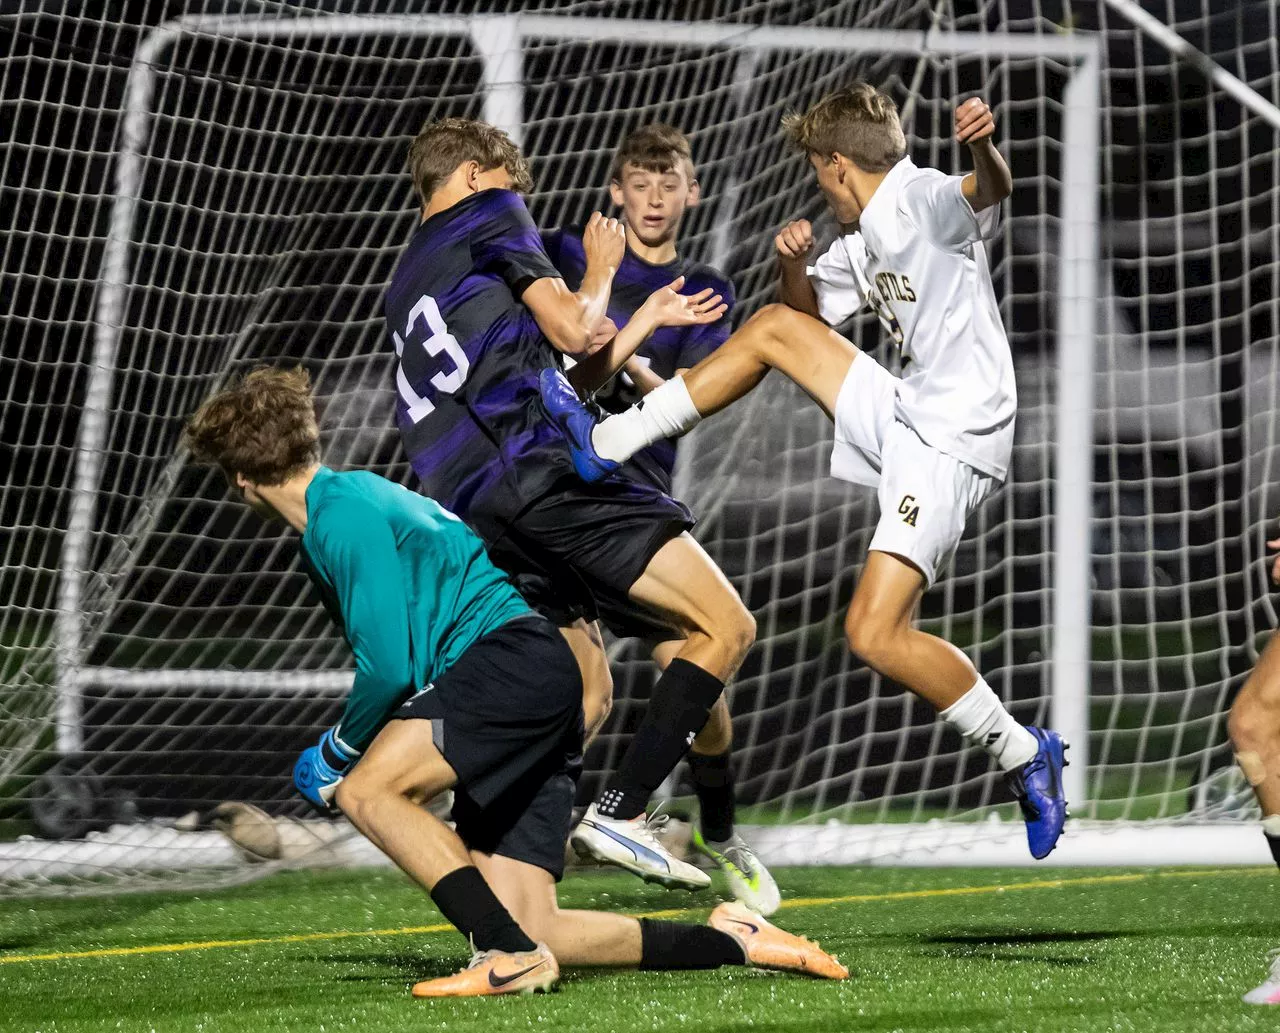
270 208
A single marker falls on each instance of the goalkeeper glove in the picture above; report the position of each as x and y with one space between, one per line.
320 769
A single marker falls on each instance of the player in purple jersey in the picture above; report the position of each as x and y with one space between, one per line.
654 182
475 311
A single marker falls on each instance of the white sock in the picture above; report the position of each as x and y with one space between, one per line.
982 720
665 412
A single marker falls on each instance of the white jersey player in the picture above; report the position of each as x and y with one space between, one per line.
934 442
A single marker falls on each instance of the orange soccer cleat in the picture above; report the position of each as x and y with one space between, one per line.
496 972
767 946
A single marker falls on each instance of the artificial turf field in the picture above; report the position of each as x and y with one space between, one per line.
989 950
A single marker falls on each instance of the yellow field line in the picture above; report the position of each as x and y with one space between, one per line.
861 898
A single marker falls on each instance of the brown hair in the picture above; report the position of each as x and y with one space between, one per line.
262 426
857 121
441 146
657 147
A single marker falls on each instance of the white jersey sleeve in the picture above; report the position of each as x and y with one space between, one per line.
937 206
835 283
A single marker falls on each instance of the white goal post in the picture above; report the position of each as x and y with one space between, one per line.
498 41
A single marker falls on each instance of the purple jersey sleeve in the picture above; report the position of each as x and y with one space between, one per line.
505 242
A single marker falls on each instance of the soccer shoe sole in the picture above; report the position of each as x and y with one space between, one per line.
585 850
548 984
1066 811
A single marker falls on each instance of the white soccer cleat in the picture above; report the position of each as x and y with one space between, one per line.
749 880
632 845
1269 991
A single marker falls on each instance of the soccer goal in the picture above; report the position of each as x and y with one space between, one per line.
257 205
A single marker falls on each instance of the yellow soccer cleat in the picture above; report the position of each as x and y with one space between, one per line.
767 946
496 972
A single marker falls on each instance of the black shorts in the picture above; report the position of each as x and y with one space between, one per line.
576 552
511 710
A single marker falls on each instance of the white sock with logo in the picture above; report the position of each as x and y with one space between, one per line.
665 412
982 720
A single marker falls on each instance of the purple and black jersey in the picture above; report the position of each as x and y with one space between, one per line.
669 348
469 353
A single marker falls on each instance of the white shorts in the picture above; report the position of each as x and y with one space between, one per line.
925 495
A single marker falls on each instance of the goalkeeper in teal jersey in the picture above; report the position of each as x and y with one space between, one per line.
440 635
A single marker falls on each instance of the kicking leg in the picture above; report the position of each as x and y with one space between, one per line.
879 629
777 337
1254 725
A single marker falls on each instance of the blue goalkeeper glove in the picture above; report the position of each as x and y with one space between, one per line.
320 769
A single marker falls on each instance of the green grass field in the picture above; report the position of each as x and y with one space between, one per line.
971 949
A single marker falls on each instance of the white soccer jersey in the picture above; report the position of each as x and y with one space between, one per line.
918 260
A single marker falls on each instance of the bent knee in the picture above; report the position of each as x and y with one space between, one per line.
737 631
775 318
872 638
355 795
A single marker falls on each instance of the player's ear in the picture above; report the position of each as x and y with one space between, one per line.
695 195
615 192
471 175
841 165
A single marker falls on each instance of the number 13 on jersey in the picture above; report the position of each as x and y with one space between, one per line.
439 341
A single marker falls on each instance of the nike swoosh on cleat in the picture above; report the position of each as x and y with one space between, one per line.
738 921
497 981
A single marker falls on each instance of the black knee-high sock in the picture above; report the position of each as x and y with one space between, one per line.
672 945
466 900
1274 843
713 782
678 709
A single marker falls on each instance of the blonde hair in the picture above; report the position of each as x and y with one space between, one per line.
441 146
262 426
858 121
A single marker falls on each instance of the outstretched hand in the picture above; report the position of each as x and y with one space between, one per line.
668 307
974 121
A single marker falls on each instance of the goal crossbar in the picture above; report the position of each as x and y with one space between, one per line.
498 41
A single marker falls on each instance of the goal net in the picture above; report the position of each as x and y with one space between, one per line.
197 196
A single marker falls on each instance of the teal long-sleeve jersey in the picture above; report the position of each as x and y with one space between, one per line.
408 583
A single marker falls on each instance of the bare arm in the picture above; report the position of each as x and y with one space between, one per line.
990 182
794 243
569 319
644 378
664 307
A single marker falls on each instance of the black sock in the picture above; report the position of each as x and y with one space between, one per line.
466 900
678 709
677 945
1274 843
713 782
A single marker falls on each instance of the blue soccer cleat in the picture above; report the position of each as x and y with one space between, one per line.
1038 788
575 421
